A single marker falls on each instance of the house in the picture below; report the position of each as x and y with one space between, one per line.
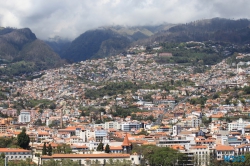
88 159
224 150
16 154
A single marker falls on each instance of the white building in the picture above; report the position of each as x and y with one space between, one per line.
237 125
195 122
130 126
112 124
101 135
24 116
16 154
102 158
223 151
176 130
201 154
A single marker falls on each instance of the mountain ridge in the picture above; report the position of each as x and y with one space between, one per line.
20 49
111 40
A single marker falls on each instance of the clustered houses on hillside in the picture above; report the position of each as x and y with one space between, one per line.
199 129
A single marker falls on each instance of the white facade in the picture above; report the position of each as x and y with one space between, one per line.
176 130
112 124
90 134
129 126
201 155
89 159
24 117
223 150
237 125
16 154
195 122
101 135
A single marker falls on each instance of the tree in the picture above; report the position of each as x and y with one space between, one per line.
51 162
26 162
39 157
3 155
44 151
123 162
227 101
23 139
100 147
59 149
8 142
68 149
50 150
63 162
156 156
38 122
107 149
143 132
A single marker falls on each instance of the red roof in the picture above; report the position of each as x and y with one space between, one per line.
13 150
126 141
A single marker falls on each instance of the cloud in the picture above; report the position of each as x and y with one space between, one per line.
70 18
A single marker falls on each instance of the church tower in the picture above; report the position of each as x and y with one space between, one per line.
126 145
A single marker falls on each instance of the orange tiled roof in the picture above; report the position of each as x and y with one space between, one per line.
224 148
126 141
178 147
219 115
13 150
115 147
102 155
198 147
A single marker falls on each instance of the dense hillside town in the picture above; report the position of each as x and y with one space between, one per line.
102 111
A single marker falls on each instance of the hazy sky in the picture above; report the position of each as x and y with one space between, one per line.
70 18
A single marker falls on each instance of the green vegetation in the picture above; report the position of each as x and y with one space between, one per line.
100 147
18 68
63 162
114 89
63 149
201 100
124 112
143 132
156 156
49 150
23 139
216 29
43 104
112 162
22 53
44 151
183 53
110 89
95 44
107 149
6 142
26 162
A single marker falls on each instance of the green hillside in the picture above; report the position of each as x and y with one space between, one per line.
21 52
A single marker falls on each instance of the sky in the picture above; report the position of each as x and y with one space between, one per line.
70 18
